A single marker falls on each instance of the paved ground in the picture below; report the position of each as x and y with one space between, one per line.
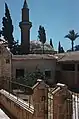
3 115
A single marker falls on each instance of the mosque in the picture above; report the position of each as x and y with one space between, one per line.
61 67
28 46
13 66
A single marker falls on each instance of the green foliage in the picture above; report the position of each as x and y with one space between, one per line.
42 35
31 78
7 28
72 36
51 43
7 31
60 48
15 48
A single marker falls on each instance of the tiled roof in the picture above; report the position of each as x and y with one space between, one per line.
69 56
36 45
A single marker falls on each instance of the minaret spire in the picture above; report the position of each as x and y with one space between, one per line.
25 4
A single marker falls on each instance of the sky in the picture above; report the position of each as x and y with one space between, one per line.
57 17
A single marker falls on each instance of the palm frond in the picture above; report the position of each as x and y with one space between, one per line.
68 36
76 35
72 35
71 32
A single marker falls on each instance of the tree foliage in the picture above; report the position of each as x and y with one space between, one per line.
60 48
7 31
51 43
42 35
30 78
72 36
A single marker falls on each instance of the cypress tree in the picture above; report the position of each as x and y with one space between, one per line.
42 36
51 42
7 29
59 47
62 50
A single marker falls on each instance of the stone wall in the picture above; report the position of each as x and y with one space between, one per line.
40 101
30 65
15 107
5 62
62 108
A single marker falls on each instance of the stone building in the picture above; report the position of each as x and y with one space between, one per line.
59 102
61 68
28 63
67 69
43 103
28 46
5 62
13 66
56 67
51 103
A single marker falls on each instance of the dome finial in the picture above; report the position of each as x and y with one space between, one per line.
25 4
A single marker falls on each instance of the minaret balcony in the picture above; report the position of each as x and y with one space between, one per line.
25 23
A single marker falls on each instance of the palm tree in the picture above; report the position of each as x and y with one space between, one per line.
72 36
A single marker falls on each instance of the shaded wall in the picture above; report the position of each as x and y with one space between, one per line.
30 65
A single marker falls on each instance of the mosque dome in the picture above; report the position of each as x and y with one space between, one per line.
37 47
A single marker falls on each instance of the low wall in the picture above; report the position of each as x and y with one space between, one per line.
17 108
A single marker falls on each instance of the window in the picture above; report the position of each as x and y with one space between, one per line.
7 61
48 74
68 67
19 73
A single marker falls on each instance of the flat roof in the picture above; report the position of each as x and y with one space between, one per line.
68 56
33 56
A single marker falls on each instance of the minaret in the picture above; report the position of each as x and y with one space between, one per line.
25 26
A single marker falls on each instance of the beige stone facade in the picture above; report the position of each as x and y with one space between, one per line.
44 103
30 63
67 69
5 62
62 108
61 70
40 100
48 103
